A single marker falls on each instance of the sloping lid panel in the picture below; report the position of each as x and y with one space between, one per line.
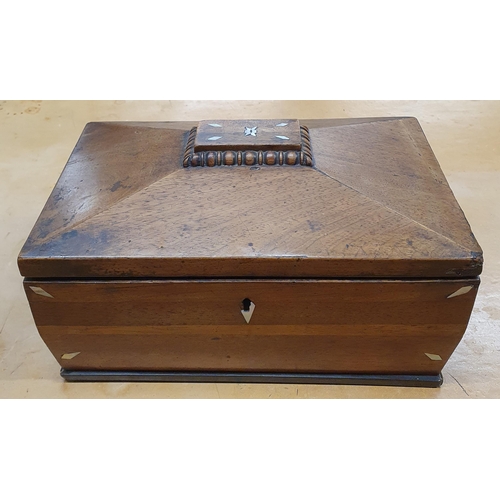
375 204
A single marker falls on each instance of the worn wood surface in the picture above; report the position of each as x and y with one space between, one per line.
375 204
298 325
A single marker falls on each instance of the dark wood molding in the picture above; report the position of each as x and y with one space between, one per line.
279 155
254 378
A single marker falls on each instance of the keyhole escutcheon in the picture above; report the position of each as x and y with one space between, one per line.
247 309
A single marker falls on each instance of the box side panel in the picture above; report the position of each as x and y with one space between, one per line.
316 326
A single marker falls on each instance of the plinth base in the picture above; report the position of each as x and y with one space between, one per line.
403 380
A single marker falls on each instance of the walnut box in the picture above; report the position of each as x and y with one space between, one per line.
325 251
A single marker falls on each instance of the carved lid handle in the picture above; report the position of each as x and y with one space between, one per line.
248 142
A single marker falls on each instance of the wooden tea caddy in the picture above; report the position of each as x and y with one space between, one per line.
325 251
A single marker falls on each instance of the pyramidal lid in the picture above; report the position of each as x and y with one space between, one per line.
252 198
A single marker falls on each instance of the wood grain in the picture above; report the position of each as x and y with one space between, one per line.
298 325
375 204
399 171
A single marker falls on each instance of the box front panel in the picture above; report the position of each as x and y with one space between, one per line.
322 326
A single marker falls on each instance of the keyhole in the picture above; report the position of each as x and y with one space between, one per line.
246 304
